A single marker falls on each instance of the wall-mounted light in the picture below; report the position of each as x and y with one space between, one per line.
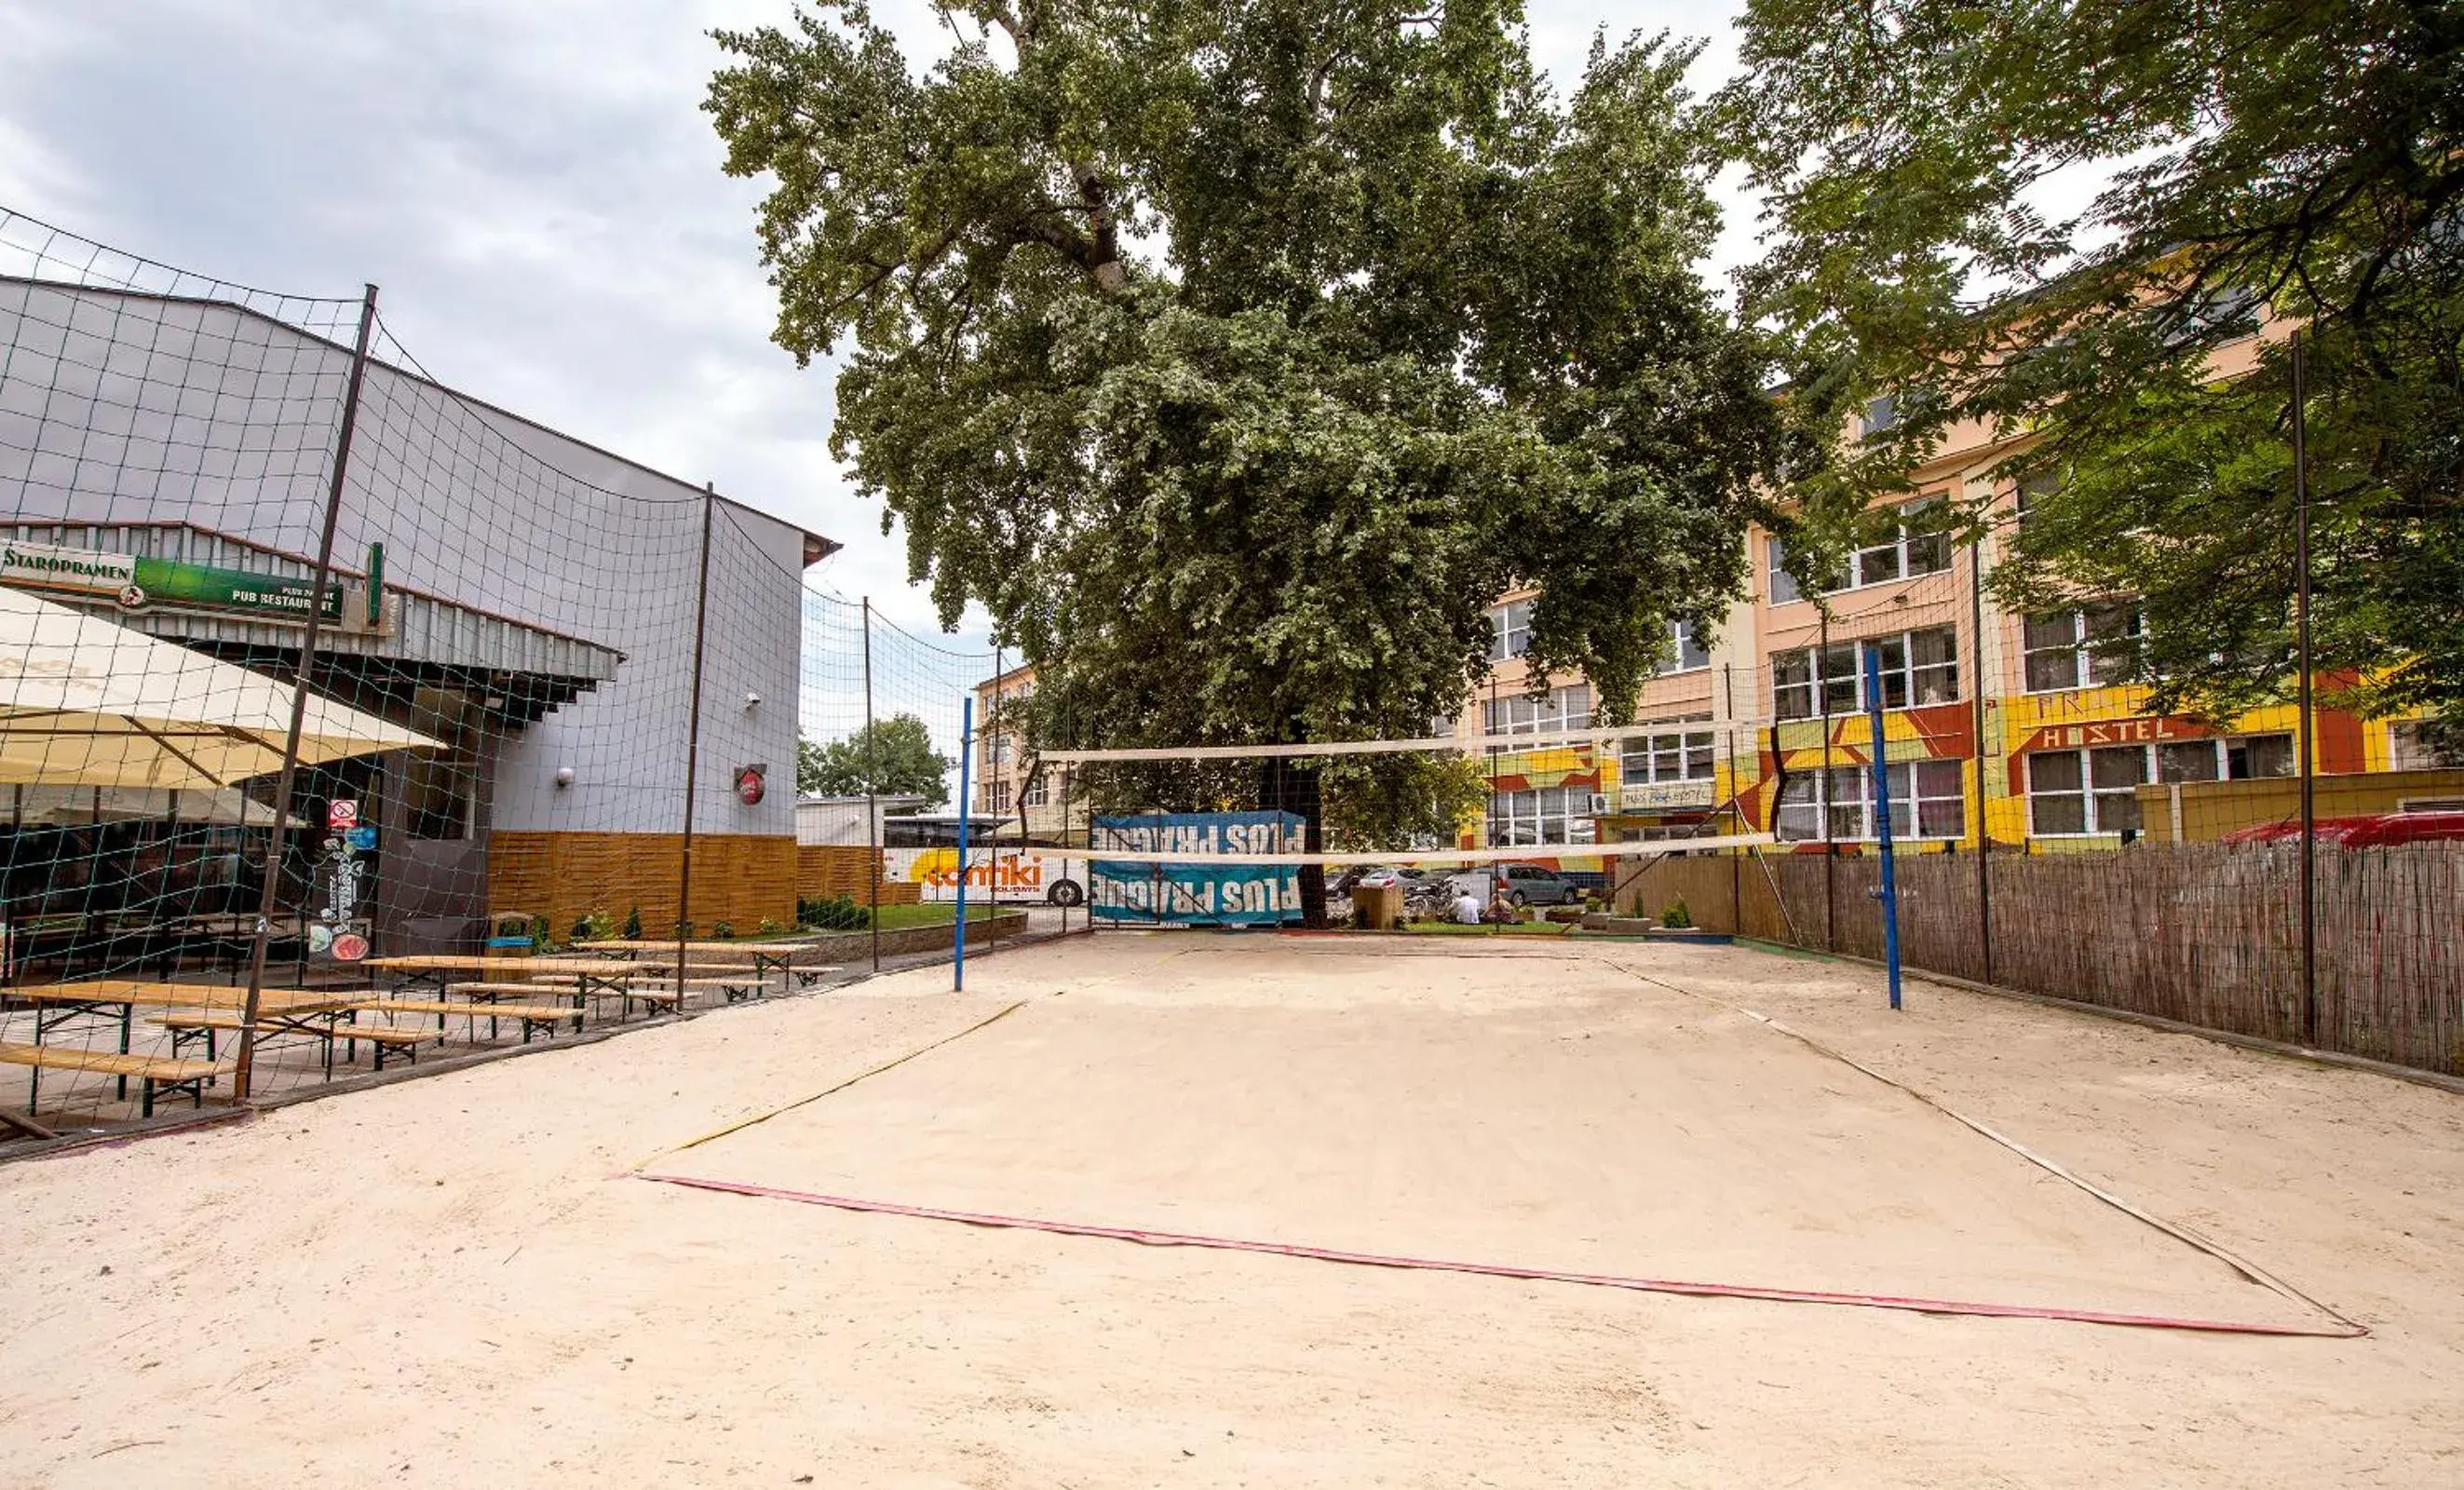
752 701
563 777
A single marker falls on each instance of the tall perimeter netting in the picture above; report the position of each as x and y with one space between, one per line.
352 721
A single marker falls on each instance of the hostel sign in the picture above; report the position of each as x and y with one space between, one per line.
137 582
2151 730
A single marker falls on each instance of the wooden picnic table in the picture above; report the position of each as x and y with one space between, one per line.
278 1008
438 969
766 957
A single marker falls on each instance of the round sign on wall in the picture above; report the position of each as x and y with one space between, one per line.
749 784
350 947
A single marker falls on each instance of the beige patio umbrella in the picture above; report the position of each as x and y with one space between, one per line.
86 702
76 806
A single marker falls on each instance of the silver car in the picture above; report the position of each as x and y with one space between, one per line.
1524 883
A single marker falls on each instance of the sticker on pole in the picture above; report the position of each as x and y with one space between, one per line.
362 839
343 812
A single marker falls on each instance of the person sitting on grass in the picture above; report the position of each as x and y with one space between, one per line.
1466 908
1501 910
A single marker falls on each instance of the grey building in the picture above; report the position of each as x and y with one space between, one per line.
531 600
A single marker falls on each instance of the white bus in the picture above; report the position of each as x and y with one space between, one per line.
923 850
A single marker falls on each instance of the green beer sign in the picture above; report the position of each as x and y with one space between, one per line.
139 582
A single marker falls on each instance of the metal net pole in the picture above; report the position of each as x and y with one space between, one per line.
268 902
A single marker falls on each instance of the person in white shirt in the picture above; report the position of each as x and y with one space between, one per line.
1468 907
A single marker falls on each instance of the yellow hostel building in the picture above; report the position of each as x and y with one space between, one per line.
1998 726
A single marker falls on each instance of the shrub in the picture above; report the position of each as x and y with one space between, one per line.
596 927
841 913
633 924
771 926
724 931
1677 917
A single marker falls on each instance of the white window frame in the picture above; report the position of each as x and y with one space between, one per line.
1540 816
2085 659
2152 772
1568 707
1901 549
1805 793
1039 791
1775 559
1825 676
1669 755
1682 636
1509 630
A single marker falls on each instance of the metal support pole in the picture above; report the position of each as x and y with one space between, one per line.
1066 772
1727 756
1976 724
2302 664
871 789
269 898
693 747
966 761
1822 796
1889 893
1000 745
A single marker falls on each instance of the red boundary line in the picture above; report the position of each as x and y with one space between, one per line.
1158 1239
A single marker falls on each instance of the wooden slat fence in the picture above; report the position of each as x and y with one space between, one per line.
2207 934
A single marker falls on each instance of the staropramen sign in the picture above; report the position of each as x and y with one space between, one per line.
137 582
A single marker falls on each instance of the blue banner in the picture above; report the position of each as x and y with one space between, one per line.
1196 894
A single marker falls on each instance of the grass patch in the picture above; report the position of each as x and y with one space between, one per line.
1519 929
896 918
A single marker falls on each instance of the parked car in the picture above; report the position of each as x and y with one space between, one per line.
1379 876
1524 884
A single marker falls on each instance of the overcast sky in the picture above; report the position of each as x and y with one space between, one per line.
531 184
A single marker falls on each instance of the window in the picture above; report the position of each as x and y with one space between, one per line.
997 749
1880 415
2247 757
2412 746
1927 801
1551 815
2035 488
2089 648
1914 544
1039 791
1509 632
1568 708
1783 585
2090 791
1680 755
1687 654
996 798
1918 666
437 793
2085 791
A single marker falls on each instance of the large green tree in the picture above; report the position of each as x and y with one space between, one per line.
2053 216
887 757
1235 357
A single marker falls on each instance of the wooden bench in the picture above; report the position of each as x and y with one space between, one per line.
534 1018
661 988
156 1073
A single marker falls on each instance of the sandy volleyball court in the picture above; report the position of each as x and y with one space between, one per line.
453 1281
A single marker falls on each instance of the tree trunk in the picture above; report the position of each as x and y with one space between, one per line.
1301 789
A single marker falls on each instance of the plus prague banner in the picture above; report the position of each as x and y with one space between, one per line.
1197 894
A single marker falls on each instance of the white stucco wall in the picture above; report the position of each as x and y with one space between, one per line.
121 408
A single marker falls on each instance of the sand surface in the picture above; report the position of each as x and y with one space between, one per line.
448 1281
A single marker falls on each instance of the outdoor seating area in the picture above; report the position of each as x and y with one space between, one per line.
108 1049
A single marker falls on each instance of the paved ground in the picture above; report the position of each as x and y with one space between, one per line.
450 1282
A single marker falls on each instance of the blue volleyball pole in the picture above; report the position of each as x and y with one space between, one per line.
1889 893
966 810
